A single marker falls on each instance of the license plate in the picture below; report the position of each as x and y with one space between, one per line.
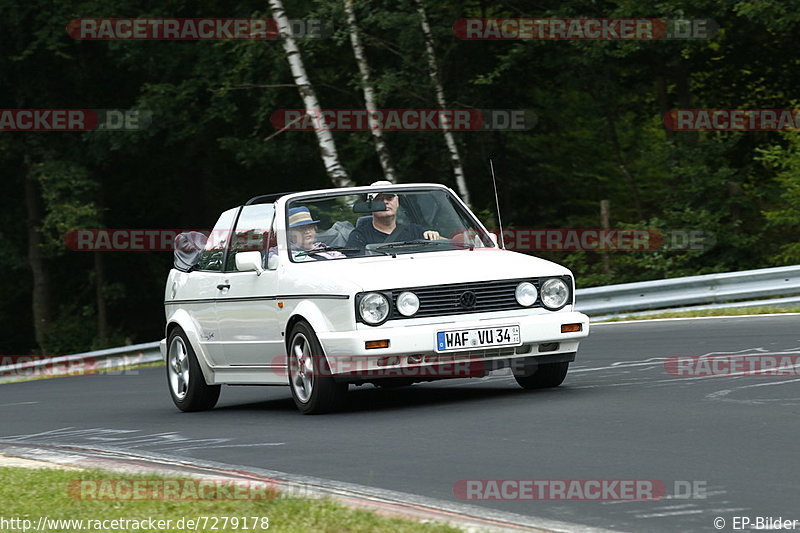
468 339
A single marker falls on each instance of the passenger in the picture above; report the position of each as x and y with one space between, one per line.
302 236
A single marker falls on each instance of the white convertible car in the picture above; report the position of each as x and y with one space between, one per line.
385 284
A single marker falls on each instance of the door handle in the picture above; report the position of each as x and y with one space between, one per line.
223 286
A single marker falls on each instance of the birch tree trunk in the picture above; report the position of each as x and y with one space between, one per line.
327 147
369 93
433 72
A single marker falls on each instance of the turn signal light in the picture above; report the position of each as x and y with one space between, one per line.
571 328
371 345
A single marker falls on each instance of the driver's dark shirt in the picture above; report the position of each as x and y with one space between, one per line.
367 234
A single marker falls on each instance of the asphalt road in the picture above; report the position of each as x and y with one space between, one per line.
619 415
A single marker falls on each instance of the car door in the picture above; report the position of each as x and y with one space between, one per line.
199 292
247 306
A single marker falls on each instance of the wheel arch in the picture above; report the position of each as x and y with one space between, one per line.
308 312
182 319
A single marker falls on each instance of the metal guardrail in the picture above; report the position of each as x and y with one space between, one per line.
691 290
32 367
666 294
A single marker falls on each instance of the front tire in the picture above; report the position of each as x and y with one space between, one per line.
313 387
546 376
187 386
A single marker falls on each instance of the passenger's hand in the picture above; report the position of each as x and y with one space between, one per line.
432 235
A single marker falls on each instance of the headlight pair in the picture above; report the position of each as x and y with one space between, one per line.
554 293
374 307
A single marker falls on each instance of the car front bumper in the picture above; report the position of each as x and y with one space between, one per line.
411 351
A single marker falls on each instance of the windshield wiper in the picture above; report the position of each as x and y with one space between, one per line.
326 249
423 242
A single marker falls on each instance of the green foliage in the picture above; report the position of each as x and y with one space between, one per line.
68 193
72 330
784 214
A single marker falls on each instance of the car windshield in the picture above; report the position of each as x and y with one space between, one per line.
386 222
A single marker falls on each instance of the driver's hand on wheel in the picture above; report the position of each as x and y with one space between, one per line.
432 235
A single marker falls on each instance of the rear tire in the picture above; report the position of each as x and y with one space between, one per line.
546 376
185 380
313 387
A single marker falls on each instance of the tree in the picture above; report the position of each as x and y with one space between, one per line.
327 146
784 215
369 93
433 72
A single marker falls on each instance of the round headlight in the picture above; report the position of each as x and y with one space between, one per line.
374 308
554 293
407 303
526 294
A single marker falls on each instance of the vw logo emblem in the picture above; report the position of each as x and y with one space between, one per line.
467 300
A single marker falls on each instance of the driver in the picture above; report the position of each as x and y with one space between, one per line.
384 225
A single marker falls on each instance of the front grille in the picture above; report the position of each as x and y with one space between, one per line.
450 300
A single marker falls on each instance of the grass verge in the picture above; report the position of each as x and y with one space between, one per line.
27 494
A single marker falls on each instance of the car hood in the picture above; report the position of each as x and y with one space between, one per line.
434 268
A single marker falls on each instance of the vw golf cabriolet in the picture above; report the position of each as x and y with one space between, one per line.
386 284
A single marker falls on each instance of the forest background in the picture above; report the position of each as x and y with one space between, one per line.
599 136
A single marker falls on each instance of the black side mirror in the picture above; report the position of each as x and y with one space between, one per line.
369 207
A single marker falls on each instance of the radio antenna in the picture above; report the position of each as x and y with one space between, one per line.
497 204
